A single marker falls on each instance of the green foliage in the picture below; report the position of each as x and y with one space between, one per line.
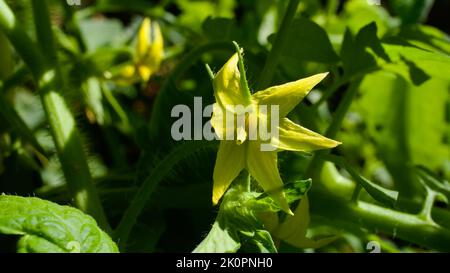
48 227
382 195
411 11
359 54
237 226
317 49
101 33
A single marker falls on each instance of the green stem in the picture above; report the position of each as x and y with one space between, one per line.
210 72
116 106
247 94
356 192
332 7
44 32
399 166
62 123
280 39
425 213
378 219
343 107
20 40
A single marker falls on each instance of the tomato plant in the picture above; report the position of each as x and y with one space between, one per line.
224 126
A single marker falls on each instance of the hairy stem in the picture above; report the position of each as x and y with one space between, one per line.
374 218
43 66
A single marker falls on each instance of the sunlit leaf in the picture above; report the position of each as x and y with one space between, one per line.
48 227
307 41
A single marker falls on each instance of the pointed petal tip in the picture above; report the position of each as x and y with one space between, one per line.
216 196
215 201
147 21
322 75
285 206
290 212
335 143
218 192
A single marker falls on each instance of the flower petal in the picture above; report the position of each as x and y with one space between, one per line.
224 128
232 130
149 48
262 165
288 95
218 121
156 50
295 226
144 38
227 85
145 72
293 229
293 137
229 163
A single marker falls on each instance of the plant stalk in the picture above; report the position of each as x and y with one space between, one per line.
44 67
350 216
275 53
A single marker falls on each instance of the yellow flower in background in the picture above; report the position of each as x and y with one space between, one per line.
149 49
230 90
149 54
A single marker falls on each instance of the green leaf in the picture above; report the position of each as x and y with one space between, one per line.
263 241
407 123
366 53
193 13
93 97
293 191
12 118
382 195
418 60
358 13
48 227
237 225
363 52
97 33
307 41
218 240
426 37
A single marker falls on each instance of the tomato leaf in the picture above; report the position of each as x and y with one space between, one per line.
49 227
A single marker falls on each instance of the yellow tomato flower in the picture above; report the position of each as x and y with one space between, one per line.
148 55
245 152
